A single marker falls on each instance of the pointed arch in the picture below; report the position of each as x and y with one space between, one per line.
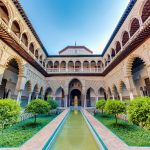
118 47
115 91
146 11
35 92
113 53
90 97
122 88
125 38
108 58
41 58
24 39
29 85
25 93
60 97
31 47
48 91
4 12
37 53
102 93
109 93
135 25
15 27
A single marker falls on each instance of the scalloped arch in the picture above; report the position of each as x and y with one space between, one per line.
19 62
130 62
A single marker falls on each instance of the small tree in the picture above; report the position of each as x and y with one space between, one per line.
51 102
115 107
9 112
37 107
139 110
100 105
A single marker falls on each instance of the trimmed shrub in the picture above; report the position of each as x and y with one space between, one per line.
52 103
139 111
100 105
115 107
9 112
37 107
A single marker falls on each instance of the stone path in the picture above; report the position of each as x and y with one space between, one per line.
38 141
111 141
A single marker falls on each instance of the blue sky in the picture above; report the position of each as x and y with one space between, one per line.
60 23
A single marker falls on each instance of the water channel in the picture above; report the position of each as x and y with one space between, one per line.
75 134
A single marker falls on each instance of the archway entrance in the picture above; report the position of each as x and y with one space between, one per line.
75 93
60 95
75 97
90 98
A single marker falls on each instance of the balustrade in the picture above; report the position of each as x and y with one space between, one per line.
74 70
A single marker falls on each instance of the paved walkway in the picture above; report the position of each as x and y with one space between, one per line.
38 141
111 141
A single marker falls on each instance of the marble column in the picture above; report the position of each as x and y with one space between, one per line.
66 100
131 95
29 98
84 101
19 95
113 97
37 95
120 96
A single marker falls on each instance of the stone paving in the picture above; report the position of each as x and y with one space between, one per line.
111 141
38 141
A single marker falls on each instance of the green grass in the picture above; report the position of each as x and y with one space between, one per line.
19 133
130 134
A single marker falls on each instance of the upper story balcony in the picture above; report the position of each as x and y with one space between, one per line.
77 65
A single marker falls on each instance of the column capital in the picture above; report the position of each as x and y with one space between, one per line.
2 66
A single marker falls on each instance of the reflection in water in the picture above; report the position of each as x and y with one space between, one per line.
75 135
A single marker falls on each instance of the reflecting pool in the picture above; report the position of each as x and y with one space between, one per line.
75 135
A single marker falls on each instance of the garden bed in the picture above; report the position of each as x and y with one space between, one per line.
19 133
132 135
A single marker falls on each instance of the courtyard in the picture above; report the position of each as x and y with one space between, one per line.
83 96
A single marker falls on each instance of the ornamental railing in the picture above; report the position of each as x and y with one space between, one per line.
74 70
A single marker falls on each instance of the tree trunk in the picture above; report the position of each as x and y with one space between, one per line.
34 119
116 119
102 111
